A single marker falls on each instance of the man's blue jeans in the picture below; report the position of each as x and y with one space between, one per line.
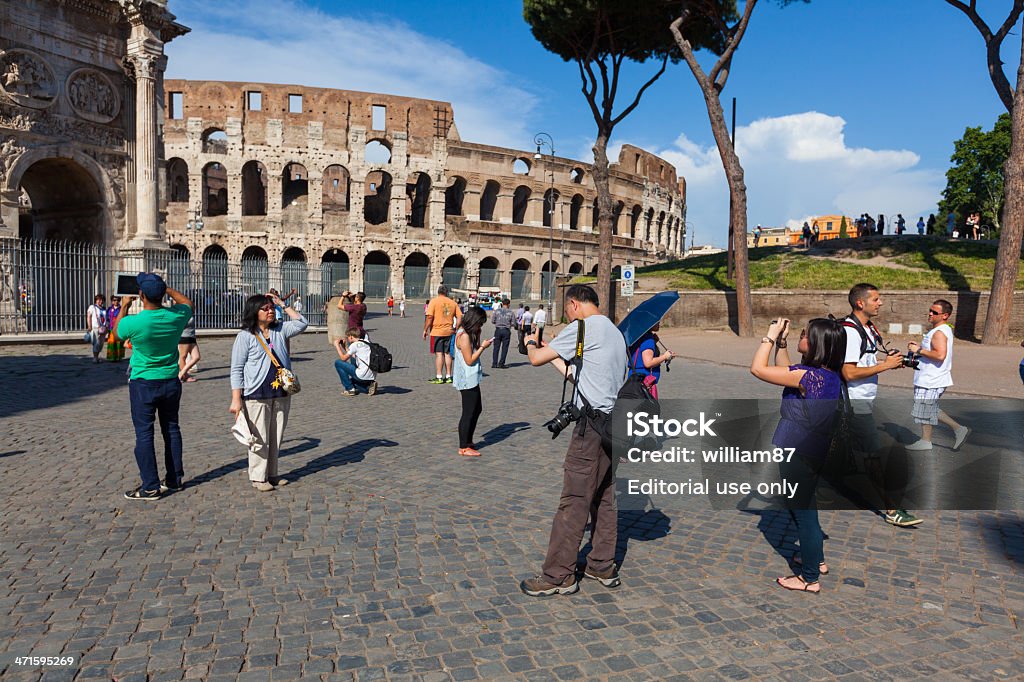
151 398
347 374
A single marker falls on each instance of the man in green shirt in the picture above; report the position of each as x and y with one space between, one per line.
154 387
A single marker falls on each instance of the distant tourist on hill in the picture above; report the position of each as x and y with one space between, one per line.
951 225
757 236
870 227
880 225
920 225
805 234
816 233
901 225
931 224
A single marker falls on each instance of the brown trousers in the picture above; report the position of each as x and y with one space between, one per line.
588 492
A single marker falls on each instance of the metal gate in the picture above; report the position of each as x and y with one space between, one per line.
521 284
453 278
490 277
376 281
417 282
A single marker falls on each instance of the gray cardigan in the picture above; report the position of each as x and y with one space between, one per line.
250 363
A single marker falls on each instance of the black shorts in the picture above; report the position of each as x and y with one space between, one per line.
440 344
187 341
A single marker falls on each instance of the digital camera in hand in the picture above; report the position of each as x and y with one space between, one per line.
911 360
567 414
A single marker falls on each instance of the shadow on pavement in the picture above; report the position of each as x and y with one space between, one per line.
350 454
41 382
12 453
393 390
500 433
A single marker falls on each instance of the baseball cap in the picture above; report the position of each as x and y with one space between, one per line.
152 286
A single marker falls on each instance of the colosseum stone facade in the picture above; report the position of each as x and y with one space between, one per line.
383 188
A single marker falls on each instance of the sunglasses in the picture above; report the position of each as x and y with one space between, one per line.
268 307
935 312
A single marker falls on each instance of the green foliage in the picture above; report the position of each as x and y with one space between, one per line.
592 30
842 229
975 181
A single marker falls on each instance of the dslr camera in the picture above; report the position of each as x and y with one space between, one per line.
910 359
567 414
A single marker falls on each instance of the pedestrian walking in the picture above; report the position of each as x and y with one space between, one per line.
646 362
115 346
401 307
860 370
540 320
439 326
391 306
588 487
352 303
525 328
805 235
188 351
154 391
257 355
96 325
353 364
808 418
467 373
934 374
502 318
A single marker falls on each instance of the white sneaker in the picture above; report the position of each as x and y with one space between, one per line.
961 436
919 445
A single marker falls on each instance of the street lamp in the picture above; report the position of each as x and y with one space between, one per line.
195 225
539 139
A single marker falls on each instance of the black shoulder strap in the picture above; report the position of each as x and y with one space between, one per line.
852 322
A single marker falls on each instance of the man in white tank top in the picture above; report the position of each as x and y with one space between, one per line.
933 376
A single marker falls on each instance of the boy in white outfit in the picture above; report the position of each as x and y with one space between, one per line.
933 376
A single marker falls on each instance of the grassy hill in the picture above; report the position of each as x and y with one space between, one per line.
890 263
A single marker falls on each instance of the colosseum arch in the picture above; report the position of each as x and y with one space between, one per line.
453 272
490 272
254 188
616 215
595 214
576 268
522 279
215 269
336 189
215 189
377 152
575 206
661 225
66 198
576 176
454 195
377 193
634 219
376 274
335 271
215 141
489 199
177 181
551 197
648 221
294 272
417 200
294 186
416 276
520 202
521 166
255 270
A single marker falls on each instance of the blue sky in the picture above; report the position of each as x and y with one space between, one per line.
843 105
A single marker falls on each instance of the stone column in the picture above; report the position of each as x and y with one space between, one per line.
145 55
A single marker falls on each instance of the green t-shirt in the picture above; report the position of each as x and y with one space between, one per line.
154 335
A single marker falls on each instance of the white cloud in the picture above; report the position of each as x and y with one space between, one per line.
284 41
799 166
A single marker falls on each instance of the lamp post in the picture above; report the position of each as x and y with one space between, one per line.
539 139
194 226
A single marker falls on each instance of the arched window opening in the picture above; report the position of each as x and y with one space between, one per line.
376 275
520 201
377 152
522 279
453 273
378 197
294 272
616 214
254 188
215 190
177 181
416 275
294 185
576 268
489 272
334 272
453 197
488 200
550 202
574 211
595 214
634 218
521 167
255 271
417 200
215 141
336 189
576 176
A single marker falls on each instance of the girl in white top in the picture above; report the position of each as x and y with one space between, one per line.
933 376
467 373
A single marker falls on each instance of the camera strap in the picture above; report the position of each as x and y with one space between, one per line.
576 361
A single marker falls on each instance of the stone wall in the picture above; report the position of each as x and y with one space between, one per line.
717 309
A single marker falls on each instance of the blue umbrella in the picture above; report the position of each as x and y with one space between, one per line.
642 318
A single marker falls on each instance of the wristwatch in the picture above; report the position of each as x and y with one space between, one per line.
765 339
531 342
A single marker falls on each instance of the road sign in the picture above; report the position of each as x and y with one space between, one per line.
628 278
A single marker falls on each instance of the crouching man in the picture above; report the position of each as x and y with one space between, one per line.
353 365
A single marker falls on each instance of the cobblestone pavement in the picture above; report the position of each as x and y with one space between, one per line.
389 557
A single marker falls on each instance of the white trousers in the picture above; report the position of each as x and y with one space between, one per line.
267 419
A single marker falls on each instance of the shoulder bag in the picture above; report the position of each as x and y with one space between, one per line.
286 378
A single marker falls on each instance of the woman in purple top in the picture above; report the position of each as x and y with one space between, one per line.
811 389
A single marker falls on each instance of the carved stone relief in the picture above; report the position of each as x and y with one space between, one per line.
26 78
60 127
93 96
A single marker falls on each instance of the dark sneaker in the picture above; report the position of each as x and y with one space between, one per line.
167 487
140 494
372 390
608 578
902 518
538 587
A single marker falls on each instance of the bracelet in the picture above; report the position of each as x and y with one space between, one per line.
767 340
531 342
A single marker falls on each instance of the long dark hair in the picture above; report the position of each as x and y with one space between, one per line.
472 322
251 312
826 344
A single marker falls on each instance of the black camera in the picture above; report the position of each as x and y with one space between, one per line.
567 414
911 360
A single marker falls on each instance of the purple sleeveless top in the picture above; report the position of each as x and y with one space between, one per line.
808 412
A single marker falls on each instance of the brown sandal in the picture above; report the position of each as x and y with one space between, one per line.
822 567
813 588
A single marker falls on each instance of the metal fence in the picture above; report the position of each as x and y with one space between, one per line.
46 287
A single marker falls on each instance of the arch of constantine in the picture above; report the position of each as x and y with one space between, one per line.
384 186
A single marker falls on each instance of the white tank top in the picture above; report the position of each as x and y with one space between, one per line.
932 373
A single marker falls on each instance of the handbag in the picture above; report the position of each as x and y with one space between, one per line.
285 378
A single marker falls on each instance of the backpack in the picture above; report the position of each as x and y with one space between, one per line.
853 323
380 358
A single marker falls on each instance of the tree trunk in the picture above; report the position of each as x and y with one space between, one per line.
738 212
1004 279
604 240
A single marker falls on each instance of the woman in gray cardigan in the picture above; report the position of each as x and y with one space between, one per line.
254 386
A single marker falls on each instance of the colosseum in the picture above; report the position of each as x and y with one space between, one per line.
383 188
